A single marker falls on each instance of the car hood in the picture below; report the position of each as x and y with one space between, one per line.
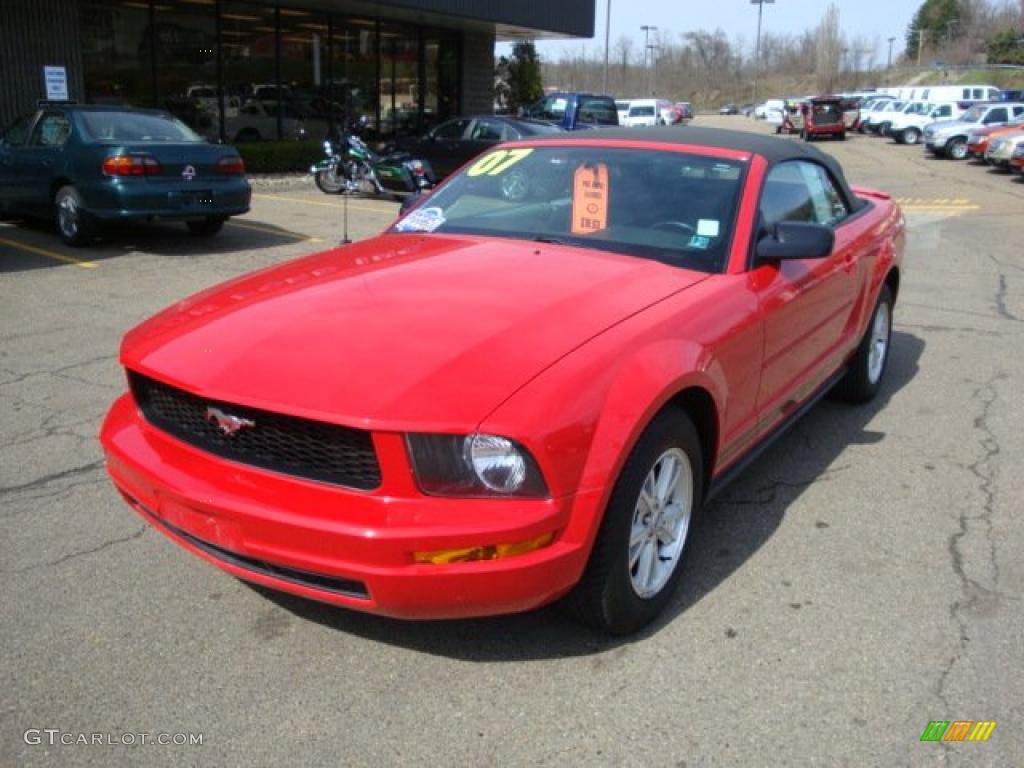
428 331
946 126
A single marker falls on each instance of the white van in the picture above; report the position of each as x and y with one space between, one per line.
622 107
942 94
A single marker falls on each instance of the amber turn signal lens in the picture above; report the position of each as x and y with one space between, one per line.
489 552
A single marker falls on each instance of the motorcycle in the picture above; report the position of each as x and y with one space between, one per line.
350 166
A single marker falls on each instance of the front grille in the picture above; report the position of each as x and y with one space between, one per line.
294 446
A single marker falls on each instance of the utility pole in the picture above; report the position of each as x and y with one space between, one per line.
888 64
757 44
920 44
647 29
654 65
607 37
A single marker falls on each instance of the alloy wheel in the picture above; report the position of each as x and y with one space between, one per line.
661 521
880 330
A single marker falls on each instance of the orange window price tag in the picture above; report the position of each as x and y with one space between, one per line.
590 199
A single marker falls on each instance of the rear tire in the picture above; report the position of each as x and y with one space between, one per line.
74 224
637 560
867 367
207 227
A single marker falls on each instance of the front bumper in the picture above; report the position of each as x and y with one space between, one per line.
128 199
338 545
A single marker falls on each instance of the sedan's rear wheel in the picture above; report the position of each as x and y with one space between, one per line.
74 224
635 564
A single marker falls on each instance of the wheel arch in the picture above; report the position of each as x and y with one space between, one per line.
892 280
698 403
56 184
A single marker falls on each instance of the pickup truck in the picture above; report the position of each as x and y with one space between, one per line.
575 111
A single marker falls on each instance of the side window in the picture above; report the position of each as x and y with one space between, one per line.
997 115
451 130
52 130
486 130
966 94
17 134
801 191
1018 111
979 93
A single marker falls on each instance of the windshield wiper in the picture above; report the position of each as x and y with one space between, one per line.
550 240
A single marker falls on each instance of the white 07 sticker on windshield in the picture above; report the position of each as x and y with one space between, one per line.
497 162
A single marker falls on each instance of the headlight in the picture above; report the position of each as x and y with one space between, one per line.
474 465
1019 151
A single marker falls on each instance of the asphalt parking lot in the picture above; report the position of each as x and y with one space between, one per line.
862 579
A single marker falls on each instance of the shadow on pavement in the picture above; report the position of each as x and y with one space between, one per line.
158 238
735 526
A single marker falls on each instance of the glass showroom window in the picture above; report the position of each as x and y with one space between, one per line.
353 70
249 50
303 101
116 52
441 77
399 80
186 62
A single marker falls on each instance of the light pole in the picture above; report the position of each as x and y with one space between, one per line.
607 33
757 45
647 29
888 64
654 48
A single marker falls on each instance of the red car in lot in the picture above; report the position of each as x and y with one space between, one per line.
499 403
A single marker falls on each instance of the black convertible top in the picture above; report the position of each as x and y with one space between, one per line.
772 148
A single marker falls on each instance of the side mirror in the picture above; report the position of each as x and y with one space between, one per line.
411 200
795 240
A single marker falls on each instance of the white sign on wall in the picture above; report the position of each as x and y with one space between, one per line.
56 79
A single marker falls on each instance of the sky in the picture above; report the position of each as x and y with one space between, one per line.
874 20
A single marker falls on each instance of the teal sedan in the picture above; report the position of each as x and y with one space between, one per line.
87 166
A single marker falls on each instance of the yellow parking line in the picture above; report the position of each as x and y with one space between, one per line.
49 254
352 206
272 231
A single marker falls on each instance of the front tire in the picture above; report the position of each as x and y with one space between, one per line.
74 224
207 227
330 182
636 563
867 367
956 149
910 136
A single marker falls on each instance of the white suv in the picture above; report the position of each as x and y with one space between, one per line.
908 127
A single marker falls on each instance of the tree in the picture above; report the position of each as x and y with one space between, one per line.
936 22
519 79
1006 47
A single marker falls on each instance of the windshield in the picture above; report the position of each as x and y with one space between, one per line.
669 206
137 127
973 115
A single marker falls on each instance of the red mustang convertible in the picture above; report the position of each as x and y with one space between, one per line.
524 390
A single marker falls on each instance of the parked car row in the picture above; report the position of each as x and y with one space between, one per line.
991 132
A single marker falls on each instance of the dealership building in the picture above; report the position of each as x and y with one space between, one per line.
272 69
